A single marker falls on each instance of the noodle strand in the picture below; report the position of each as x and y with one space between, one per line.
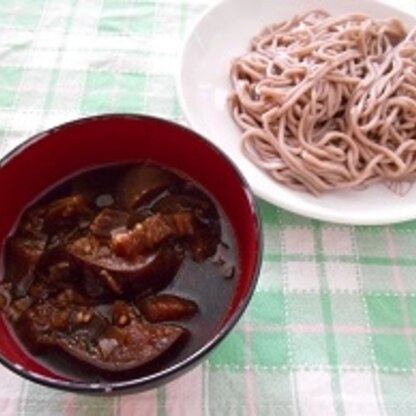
329 102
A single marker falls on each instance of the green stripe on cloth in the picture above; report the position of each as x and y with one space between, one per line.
327 319
50 90
161 401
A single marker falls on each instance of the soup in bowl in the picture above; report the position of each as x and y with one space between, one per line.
130 248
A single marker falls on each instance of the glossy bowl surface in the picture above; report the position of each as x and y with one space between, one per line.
61 152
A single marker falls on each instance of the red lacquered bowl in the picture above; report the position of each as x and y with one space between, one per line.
63 151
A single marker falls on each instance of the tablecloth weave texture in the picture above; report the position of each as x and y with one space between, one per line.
331 329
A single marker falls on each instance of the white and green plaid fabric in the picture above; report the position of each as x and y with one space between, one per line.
331 329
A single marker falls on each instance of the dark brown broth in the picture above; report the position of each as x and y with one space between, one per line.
201 281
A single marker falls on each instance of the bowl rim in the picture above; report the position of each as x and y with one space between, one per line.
152 380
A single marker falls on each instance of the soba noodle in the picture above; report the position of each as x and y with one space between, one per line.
329 102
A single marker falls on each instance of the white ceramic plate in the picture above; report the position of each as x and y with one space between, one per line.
221 34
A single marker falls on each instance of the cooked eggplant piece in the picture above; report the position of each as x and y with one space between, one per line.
123 276
23 255
140 184
123 348
68 297
24 250
43 323
108 221
167 307
5 295
148 234
198 204
31 224
122 313
66 212
206 227
33 329
18 308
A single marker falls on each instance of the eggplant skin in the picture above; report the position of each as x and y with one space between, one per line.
142 183
124 349
167 307
123 277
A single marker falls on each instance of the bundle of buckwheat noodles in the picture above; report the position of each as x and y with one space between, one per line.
329 102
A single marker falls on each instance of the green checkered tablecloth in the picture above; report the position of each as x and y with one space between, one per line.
331 329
